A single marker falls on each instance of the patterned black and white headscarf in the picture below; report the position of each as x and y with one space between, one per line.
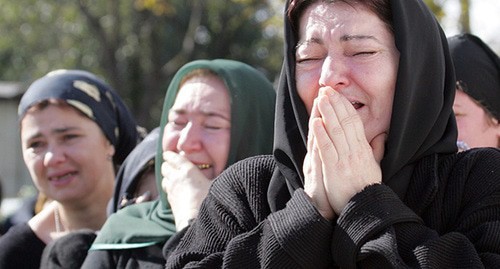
93 97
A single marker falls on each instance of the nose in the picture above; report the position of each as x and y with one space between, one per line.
53 156
190 138
334 73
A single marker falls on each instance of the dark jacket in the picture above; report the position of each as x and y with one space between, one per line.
450 218
20 248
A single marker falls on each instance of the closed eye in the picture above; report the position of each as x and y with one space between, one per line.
70 136
307 60
362 53
35 144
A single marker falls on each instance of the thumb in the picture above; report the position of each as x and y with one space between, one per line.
378 146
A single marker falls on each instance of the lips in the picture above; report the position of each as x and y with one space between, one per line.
62 176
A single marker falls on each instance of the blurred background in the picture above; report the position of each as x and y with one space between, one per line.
137 46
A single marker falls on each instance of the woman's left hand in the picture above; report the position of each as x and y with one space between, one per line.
349 163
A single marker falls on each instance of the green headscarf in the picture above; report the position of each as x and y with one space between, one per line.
252 124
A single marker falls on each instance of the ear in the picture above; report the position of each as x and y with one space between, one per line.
111 150
496 125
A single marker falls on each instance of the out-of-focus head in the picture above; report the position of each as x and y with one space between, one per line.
477 101
217 112
72 127
199 122
135 180
91 96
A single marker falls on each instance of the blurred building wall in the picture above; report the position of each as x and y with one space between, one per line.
13 172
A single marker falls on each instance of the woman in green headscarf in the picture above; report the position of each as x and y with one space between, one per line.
133 237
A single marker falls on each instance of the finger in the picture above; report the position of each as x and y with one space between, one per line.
350 122
352 119
334 130
319 196
177 161
314 111
324 147
314 115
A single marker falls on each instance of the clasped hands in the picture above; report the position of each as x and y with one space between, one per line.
340 162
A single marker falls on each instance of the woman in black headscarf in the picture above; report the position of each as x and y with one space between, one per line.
477 101
135 180
356 74
74 131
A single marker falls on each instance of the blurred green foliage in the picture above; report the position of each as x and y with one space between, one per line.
136 45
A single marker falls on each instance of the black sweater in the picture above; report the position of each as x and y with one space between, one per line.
450 218
20 248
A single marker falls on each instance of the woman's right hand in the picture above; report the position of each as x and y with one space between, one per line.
185 185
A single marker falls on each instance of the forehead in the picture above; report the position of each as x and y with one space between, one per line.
54 117
202 93
339 17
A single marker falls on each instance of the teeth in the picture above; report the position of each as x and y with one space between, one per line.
204 166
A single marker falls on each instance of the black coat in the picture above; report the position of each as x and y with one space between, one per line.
450 218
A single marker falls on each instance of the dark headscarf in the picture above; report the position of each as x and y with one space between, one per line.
131 170
252 114
477 68
94 98
422 120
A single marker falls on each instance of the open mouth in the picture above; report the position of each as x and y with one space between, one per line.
357 105
65 176
204 166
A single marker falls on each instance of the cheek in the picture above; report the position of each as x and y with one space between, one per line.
218 148
307 99
33 163
307 90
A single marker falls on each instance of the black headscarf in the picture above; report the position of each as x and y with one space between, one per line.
93 97
477 68
422 120
131 170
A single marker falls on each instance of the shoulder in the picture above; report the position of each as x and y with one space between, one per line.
476 159
17 244
477 169
256 168
69 250
245 185
253 166
148 257
21 233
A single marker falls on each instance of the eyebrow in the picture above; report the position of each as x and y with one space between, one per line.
344 38
309 41
54 131
205 113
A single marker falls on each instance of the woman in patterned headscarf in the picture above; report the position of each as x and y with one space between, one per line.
74 130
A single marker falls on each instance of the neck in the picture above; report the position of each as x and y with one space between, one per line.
72 219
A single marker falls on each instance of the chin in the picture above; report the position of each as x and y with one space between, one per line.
209 174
